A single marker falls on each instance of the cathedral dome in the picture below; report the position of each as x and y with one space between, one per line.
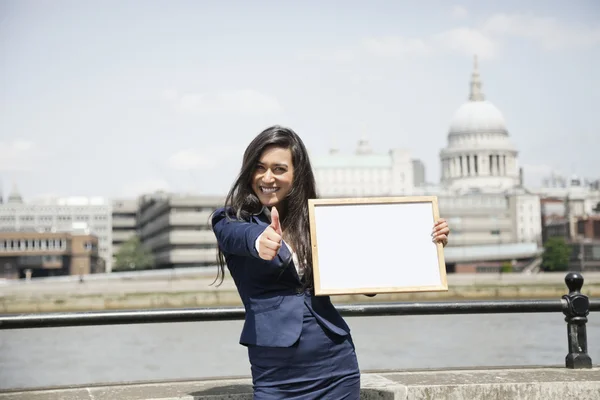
476 117
479 154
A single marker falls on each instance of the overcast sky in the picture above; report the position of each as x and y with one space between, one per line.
116 98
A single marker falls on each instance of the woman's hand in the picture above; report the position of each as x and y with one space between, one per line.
270 240
440 232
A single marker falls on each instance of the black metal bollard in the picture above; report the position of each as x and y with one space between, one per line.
576 310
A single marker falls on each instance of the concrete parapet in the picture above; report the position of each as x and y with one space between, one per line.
121 295
545 383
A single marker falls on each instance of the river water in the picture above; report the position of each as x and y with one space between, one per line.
78 355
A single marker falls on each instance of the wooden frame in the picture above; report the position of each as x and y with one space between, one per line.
341 257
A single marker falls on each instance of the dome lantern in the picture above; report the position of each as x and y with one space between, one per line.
476 93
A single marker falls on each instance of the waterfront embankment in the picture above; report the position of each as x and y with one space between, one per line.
197 291
549 383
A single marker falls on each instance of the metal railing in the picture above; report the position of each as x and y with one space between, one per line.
574 305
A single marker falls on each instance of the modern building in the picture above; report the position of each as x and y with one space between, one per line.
124 222
56 215
176 228
575 199
571 211
583 237
40 254
489 230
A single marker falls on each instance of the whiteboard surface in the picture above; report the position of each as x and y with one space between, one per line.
386 246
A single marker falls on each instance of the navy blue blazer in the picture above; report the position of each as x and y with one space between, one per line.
271 291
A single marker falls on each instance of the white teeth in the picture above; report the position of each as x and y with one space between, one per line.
269 190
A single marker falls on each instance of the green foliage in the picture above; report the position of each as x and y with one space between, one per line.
557 253
506 267
133 255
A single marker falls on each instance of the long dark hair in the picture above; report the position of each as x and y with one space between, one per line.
242 202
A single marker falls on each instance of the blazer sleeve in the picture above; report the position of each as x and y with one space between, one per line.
239 238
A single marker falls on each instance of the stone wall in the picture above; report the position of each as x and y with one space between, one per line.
550 383
149 294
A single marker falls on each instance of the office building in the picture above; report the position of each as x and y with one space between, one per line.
124 222
176 228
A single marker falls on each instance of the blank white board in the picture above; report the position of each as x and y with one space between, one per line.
376 245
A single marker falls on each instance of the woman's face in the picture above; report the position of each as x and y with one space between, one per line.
273 176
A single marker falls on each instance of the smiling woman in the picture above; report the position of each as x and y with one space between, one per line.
299 346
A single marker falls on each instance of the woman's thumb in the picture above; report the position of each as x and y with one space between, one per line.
275 220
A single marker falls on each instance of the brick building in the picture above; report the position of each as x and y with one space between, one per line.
39 254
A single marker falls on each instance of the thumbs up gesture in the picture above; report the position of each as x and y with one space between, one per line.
269 241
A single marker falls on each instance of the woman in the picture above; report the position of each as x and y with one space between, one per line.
299 346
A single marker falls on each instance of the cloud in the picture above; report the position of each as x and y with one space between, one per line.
485 39
547 32
245 102
18 155
395 46
170 94
204 159
466 41
337 55
459 12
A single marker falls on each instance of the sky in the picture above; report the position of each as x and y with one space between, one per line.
119 98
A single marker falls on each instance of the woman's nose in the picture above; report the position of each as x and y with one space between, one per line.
268 177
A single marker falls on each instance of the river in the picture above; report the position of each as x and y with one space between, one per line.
94 354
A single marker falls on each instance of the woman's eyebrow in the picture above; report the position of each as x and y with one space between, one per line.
279 164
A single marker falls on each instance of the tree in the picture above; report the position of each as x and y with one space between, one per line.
133 255
506 267
556 256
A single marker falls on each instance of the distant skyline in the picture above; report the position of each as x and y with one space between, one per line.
121 98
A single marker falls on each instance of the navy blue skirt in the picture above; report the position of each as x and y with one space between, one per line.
320 365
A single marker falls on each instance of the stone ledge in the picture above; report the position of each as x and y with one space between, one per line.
546 383
518 384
